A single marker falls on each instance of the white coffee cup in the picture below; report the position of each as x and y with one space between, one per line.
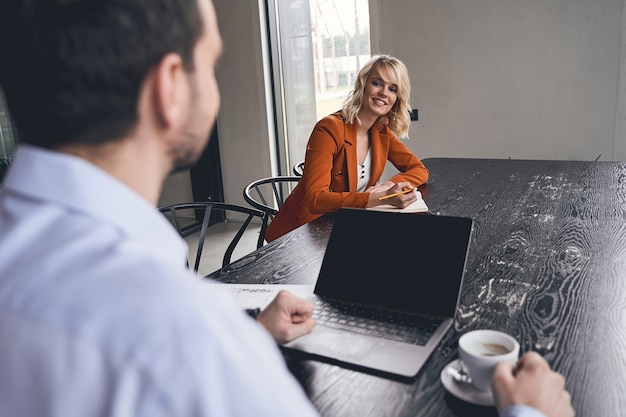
481 350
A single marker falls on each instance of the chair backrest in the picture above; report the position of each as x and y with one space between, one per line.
268 194
298 169
188 218
4 167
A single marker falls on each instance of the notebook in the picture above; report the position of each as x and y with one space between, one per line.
407 267
418 206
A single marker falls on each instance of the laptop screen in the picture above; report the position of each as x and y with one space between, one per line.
403 261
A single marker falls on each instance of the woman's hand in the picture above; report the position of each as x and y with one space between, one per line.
384 189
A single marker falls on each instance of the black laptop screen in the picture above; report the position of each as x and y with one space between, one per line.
404 261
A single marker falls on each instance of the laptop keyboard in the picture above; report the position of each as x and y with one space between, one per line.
391 325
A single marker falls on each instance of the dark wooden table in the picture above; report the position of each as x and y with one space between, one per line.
547 265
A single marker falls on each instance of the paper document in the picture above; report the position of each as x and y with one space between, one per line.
260 295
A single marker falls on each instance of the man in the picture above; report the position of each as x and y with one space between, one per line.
98 314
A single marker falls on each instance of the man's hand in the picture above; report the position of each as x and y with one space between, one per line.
287 317
532 383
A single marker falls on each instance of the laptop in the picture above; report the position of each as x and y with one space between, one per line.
406 270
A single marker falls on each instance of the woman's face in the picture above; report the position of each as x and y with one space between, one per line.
380 94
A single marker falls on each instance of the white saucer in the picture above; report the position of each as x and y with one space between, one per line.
465 392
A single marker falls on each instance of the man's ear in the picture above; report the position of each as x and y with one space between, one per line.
171 91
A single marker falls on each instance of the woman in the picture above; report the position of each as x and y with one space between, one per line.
348 150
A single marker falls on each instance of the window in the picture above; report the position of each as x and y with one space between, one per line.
317 48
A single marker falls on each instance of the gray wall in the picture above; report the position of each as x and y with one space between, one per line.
522 79
245 133
510 78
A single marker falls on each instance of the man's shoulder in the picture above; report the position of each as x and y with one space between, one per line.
129 315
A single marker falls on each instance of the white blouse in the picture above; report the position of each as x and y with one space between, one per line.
364 172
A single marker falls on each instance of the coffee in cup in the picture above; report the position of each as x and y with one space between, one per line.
481 350
493 349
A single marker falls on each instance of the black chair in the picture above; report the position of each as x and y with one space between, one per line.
188 218
4 167
298 169
268 194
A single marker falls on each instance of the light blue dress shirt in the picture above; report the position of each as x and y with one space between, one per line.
520 411
99 316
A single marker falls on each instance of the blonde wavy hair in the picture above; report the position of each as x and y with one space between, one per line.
391 69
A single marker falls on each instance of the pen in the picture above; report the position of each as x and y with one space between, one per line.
385 197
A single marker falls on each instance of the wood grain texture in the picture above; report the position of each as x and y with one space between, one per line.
547 264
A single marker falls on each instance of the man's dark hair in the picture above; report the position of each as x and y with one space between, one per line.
72 69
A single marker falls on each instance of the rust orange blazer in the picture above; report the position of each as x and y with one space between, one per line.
330 178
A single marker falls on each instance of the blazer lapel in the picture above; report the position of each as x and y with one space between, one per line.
350 139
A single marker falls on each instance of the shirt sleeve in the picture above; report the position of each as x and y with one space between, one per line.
519 410
410 167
